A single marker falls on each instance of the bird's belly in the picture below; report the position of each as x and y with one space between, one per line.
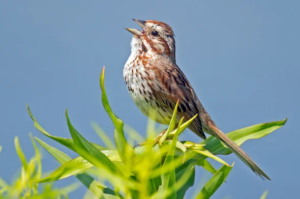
150 109
142 95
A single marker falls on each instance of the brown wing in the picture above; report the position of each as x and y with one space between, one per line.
175 86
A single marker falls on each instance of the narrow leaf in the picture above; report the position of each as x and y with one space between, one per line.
70 168
179 145
64 141
95 187
182 127
103 136
171 125
20 153
169 179
207 166
126 152
264 196
206 153
214 183
2 183
38 158
241 135
185 177
89 152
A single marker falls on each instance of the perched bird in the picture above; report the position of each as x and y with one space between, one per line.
155 83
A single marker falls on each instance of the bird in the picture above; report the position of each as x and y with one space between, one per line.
156 83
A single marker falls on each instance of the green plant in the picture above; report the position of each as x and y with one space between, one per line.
162 168
25 186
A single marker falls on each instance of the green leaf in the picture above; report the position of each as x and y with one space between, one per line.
214 183
171 125
154 184
185 178
207 153
70 168
20 153
132 133
99 190
168 186
206 165
179 145
182 127
2 183
89 152
126 152
103 136
241 135
38 158
64 141
95 187
60 156
264 196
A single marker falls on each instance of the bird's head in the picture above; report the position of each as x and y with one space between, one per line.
155 37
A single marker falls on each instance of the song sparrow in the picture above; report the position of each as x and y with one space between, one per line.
155 83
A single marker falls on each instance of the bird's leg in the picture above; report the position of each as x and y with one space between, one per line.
159 136
155 140
139 144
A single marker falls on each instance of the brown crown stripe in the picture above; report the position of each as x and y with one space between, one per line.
162 24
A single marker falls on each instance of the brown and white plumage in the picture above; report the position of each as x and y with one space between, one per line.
155 83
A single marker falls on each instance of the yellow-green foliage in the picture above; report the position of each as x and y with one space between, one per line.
162 168
25 185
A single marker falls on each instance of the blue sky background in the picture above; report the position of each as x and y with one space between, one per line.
242 58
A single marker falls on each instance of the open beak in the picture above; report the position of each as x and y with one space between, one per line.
135 31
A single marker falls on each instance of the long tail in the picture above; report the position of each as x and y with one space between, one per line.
238 151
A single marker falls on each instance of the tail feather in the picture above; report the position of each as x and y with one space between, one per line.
238 151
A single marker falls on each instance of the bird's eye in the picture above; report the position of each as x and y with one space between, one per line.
154 33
